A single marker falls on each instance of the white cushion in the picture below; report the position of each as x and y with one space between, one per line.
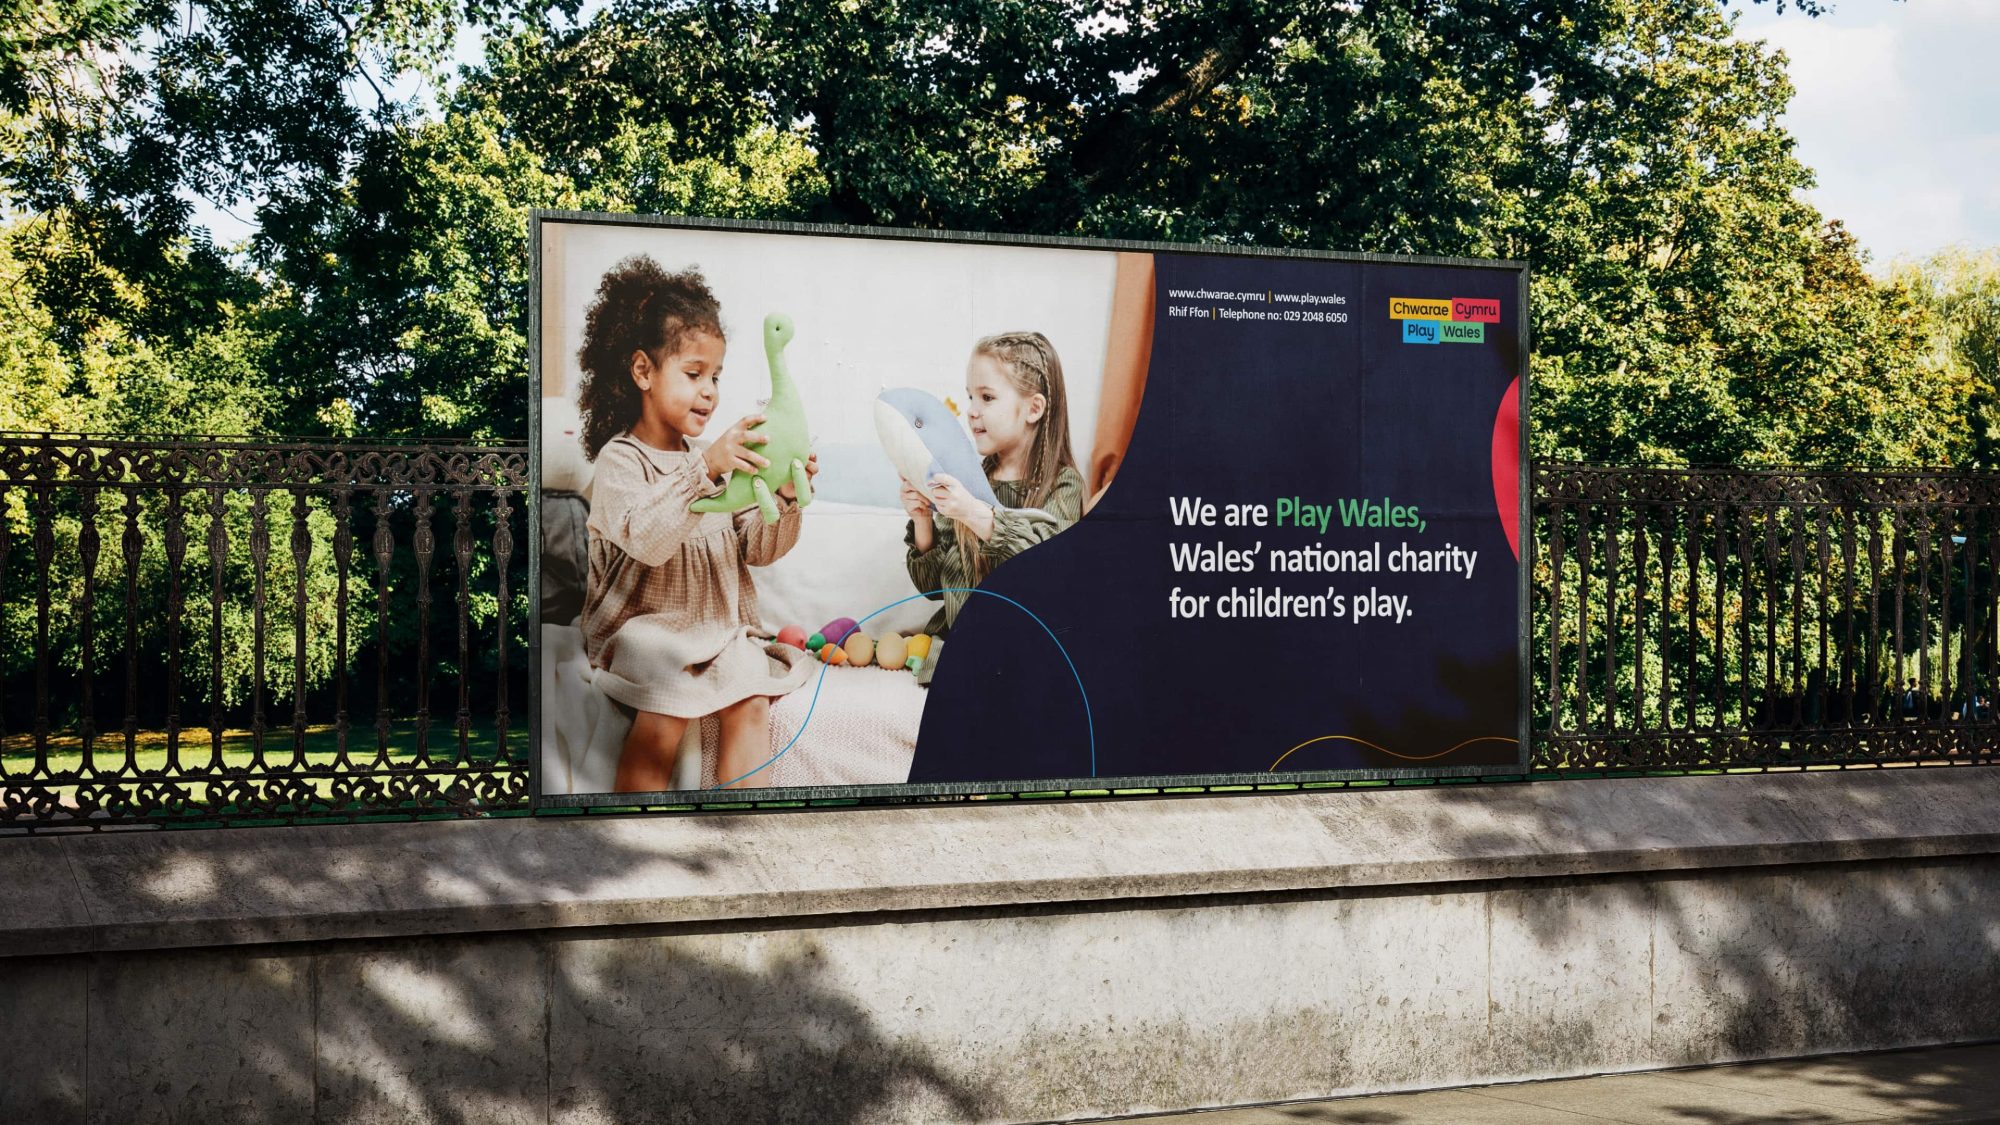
563 464
848 563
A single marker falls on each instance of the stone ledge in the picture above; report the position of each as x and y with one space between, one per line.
147 890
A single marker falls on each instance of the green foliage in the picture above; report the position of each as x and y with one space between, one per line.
1689 305
42 44
202 637
1959 291
115 380
44 386
108 378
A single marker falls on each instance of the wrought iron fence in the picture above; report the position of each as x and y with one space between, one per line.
241 631
237 632
1716 619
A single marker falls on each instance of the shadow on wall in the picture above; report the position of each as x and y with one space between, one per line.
699 1023
1743 963
667 1035
544 1026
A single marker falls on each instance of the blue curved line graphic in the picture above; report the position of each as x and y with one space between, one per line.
1090 723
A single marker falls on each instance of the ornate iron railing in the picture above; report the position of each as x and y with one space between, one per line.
239 632
230 631
1716 619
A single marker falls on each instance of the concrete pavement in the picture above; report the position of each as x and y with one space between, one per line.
1942 1084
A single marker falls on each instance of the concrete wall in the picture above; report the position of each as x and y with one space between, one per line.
993 962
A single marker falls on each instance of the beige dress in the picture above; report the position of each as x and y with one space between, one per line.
670 615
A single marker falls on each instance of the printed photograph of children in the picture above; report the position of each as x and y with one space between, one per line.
935 409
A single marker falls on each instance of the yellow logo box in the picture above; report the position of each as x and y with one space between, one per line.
1418 308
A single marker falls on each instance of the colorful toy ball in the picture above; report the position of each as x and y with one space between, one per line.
833 654
892 650
860 649
815 642
792 635
836 630
920 645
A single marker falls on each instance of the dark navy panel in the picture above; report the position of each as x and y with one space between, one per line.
1248 412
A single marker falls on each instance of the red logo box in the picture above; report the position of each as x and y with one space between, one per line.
1481 310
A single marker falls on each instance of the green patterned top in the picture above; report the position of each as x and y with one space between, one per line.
1014 530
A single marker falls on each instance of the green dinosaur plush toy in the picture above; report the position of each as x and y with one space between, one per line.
789 445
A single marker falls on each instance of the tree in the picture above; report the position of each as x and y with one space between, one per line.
1688 305
1960 290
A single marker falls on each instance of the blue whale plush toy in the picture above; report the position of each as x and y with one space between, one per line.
923 438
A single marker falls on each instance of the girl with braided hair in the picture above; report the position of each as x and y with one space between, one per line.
1018 412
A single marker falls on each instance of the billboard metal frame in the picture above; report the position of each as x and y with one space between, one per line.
737 799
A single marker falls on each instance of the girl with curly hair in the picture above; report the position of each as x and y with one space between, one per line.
670 616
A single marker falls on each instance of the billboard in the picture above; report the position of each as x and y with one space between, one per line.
829 512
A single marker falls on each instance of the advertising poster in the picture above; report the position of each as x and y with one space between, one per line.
848 513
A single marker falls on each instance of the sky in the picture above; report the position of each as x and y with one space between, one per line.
1895 112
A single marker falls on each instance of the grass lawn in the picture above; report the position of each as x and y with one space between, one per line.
323 764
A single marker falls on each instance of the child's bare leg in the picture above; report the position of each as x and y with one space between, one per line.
746 741
646 765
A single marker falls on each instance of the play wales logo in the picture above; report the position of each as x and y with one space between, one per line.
1437 320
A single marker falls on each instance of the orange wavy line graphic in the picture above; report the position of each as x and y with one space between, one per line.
1385 749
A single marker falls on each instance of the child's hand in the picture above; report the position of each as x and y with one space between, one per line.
962 507
789 490
915 504
732 451
923 533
